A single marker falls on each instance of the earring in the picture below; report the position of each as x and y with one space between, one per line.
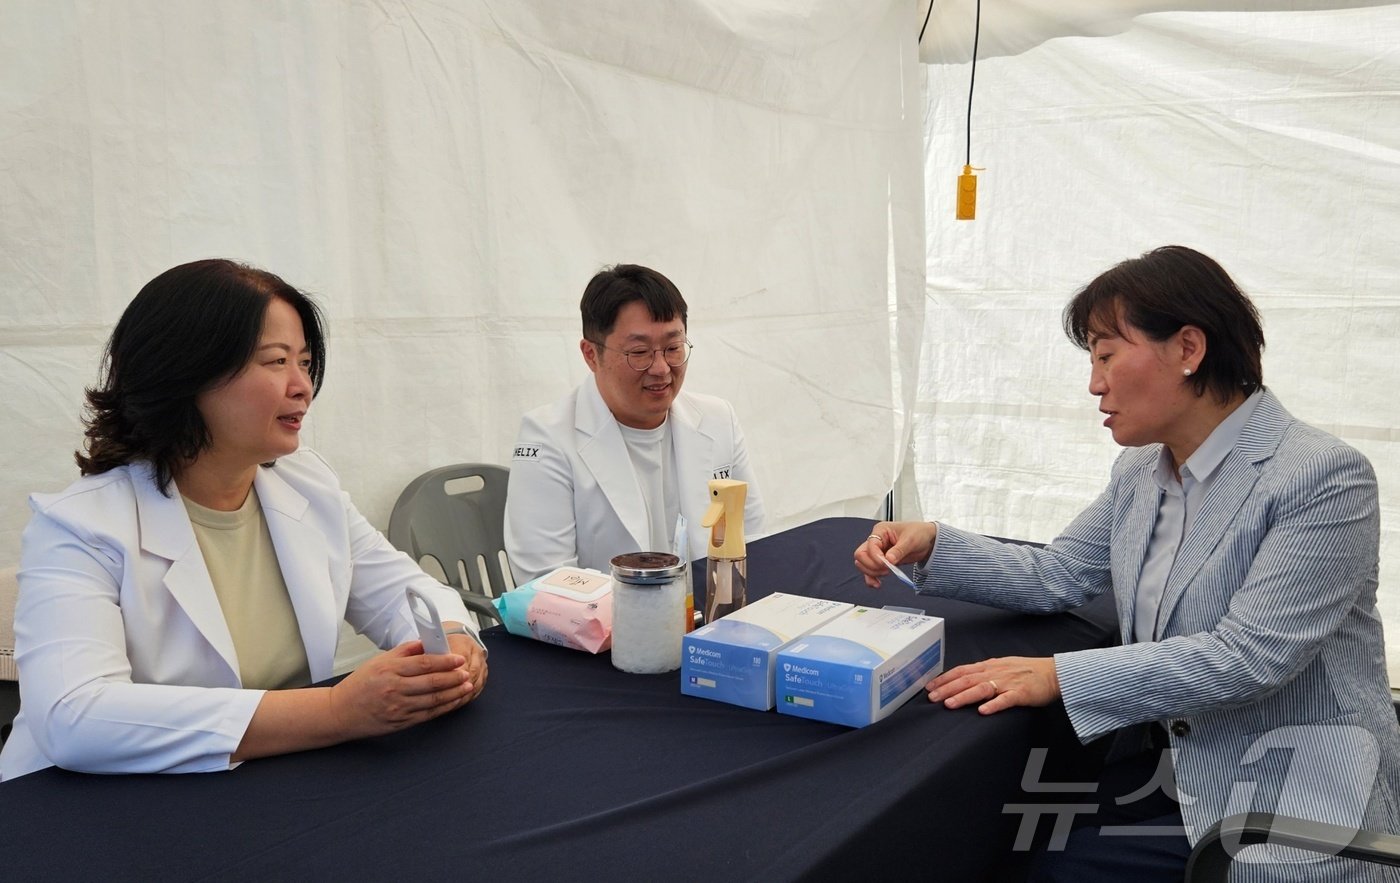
1186 372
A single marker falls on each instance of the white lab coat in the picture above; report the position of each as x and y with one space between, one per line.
574 499
126 662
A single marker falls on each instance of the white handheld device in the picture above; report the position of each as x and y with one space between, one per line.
429 624
901 575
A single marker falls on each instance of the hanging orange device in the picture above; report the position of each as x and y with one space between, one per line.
967 194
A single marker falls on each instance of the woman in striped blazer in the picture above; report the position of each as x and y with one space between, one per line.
1241 546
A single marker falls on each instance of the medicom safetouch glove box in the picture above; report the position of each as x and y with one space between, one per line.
859 668
732 659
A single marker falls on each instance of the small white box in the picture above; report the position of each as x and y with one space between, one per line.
859 668
733 658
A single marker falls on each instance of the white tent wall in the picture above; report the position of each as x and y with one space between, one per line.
444 177
1269 140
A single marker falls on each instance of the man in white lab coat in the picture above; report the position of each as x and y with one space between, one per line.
606 469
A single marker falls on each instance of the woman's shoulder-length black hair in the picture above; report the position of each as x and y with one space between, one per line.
1163 291
188 330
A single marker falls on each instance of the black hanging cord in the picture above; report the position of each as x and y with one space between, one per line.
976 32
925 27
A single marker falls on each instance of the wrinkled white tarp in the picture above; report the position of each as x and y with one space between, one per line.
445 177
1267 139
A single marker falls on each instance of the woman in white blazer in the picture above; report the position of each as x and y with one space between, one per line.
133 644
1242 549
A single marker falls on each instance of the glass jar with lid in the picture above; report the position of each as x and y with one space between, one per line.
649 590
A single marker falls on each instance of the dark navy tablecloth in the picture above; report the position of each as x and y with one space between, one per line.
566 769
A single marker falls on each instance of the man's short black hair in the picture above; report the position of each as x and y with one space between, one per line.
615 287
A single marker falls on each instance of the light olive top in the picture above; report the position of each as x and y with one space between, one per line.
243 567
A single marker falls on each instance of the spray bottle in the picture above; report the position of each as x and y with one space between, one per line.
726 570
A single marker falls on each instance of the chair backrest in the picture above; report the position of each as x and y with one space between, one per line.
9 594
455 515
9 673
1211 858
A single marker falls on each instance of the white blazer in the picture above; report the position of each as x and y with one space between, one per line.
574 499
1269 637
126 662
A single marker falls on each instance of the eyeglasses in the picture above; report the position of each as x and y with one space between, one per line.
642 358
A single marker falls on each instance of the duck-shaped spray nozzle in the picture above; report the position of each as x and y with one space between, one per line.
725 518
726 572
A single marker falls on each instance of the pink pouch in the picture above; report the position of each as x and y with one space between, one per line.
570 607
